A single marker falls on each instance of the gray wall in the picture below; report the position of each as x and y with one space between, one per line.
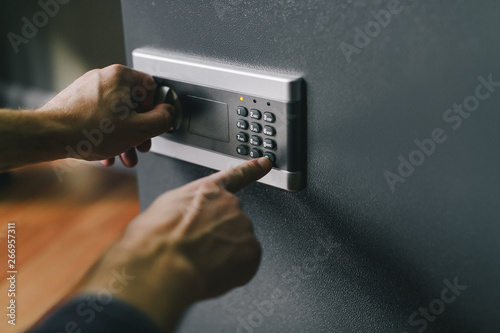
348 254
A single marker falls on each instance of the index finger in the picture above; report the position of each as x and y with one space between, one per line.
236 178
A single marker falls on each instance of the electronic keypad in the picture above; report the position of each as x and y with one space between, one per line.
230 114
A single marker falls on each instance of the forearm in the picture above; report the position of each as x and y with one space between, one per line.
28 136
162 285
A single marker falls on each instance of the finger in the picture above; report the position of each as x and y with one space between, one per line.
145 146
142 88
138 78
109 162
145 98
155 122
242 175
129 158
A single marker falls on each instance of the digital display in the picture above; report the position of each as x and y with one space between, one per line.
207 118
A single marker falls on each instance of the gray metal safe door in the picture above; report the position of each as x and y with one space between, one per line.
398 227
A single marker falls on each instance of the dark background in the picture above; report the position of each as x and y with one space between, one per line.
83 35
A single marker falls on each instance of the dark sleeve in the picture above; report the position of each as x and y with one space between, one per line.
96 314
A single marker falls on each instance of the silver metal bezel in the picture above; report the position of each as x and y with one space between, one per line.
281 87
278 87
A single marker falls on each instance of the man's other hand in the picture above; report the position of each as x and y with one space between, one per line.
192 243
110 112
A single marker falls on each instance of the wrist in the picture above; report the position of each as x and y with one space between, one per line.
29 136
158 282
59 132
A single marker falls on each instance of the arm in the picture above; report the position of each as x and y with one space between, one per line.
100 115
191 244
28 137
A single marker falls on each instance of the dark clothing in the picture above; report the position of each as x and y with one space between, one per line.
93 314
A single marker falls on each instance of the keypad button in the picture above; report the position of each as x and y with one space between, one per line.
242 111
255 140
242 124
270 156
269 144
269 130
255 114
242 137
255 127
269 117
255 153
242 150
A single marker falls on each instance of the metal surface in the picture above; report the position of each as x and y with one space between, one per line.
347 254
209 94
291 181
287 88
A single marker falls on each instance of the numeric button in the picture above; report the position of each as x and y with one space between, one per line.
242 124
255 140
269 130
255 153
242 111
242 150
271 157
255 114
269 117
242 137
255 127
269 144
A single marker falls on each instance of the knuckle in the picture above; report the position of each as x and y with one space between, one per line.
93 72
116 68
116 72
209 191
206 194
201 198
243 173
238 172
252 169
232 200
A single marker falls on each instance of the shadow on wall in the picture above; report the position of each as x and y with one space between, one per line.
388 280
47 44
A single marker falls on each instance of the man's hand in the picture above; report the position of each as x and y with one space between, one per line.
192 243
104 113
109 112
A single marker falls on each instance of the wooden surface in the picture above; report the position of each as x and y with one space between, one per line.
62 227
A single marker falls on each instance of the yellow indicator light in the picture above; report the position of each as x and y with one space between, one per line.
241 98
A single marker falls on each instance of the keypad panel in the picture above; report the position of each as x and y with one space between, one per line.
223 106
267 146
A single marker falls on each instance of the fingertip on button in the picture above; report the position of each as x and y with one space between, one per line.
265 162
271 157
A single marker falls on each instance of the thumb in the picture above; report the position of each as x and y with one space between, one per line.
157 121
